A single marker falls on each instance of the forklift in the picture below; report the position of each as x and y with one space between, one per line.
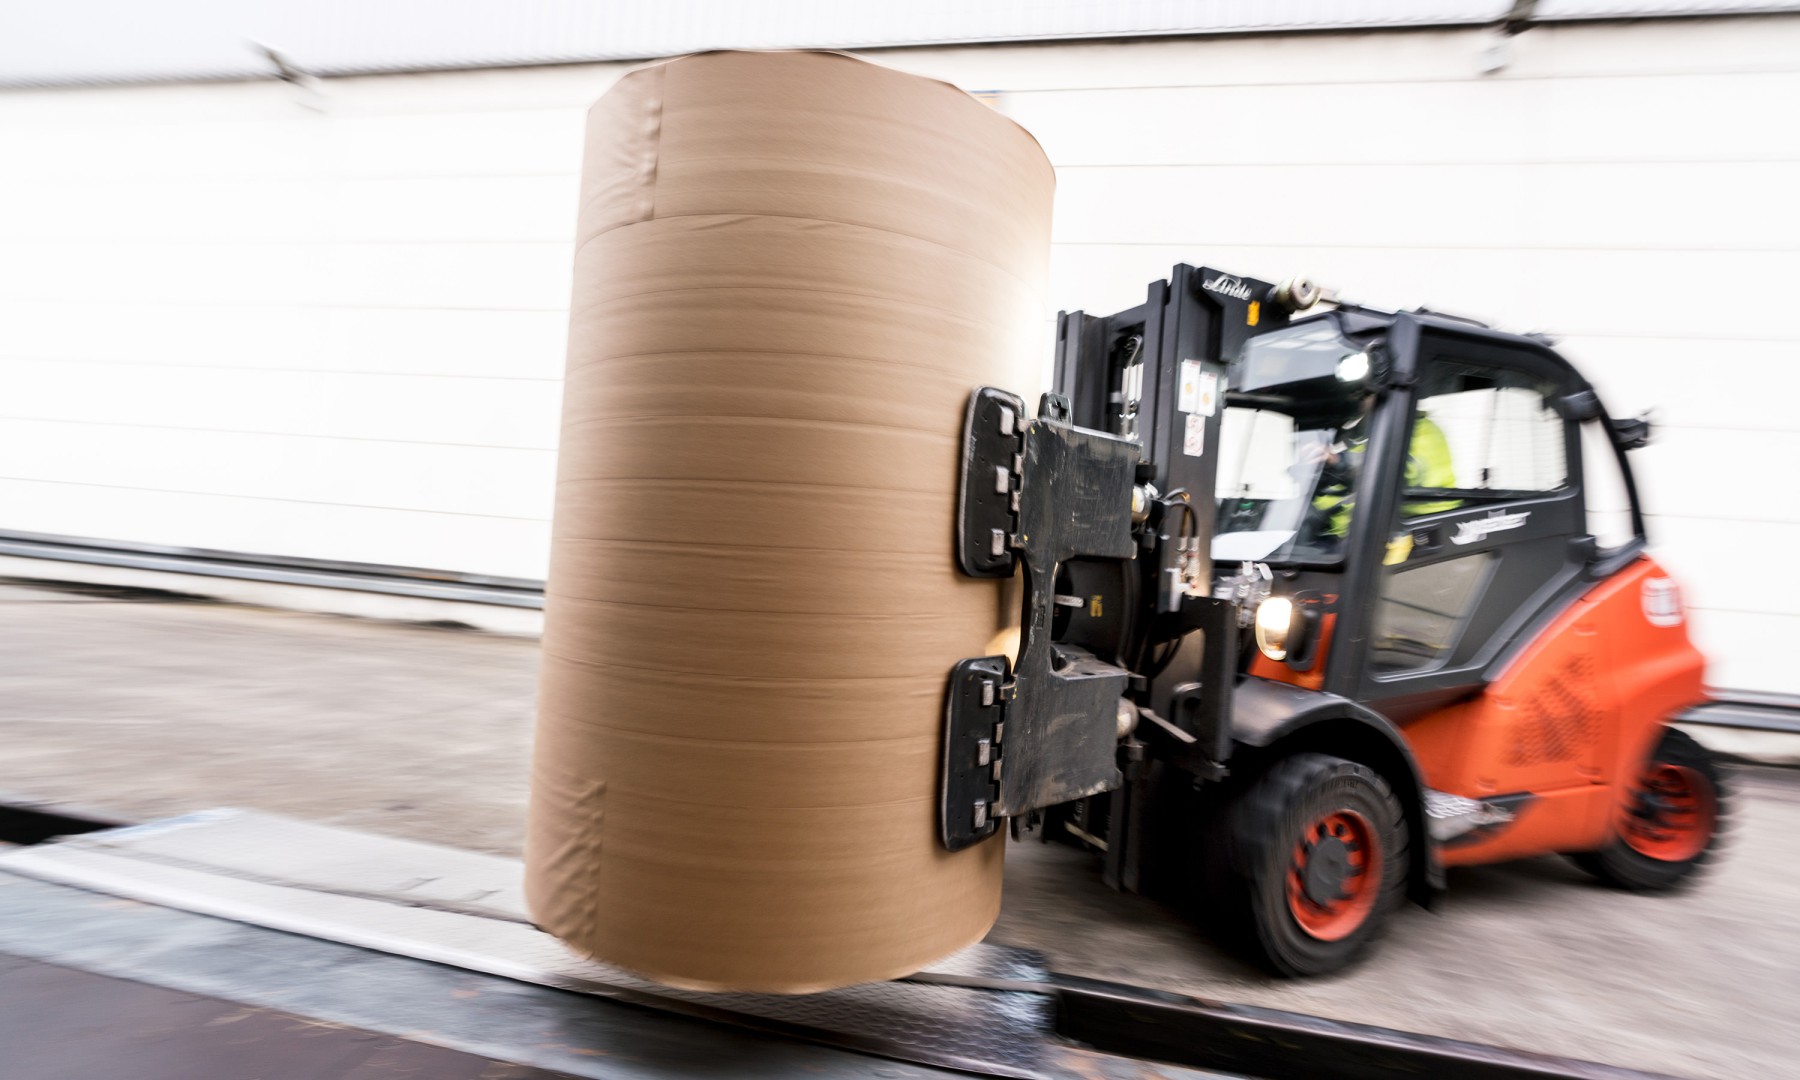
1313 606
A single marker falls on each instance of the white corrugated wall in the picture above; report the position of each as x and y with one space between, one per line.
235 317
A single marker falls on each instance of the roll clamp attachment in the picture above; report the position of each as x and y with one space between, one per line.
1023 736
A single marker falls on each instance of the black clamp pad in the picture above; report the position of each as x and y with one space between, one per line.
988 512
974 725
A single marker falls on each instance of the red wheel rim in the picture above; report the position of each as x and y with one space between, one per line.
1334 875
1672 813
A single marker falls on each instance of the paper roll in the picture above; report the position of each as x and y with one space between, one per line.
791 270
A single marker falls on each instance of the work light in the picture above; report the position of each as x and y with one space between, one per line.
1274 617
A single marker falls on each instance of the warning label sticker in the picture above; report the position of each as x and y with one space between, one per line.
1208 399
1188 398
1193 444
1199 391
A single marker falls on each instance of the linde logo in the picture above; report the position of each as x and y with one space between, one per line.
1225 285
1468 532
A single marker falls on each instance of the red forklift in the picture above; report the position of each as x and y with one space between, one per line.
1312 608
1315 605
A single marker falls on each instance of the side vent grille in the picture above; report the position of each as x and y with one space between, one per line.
1561 720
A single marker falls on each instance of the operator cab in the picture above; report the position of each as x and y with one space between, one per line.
1430 463
1459 485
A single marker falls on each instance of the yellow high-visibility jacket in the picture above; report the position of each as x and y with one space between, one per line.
1428 465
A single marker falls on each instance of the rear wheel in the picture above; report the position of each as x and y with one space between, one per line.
1670 825
1318 861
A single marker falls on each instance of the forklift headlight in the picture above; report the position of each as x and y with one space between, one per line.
1274 618
1353 368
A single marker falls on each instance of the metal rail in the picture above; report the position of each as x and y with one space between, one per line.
1276 1045
1745 710
1739 709
1271 1044
279 569
1732 709
1108 1017
1748 712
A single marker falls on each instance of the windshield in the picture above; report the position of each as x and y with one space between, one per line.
1291 447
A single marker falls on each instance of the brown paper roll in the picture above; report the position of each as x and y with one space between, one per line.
791 270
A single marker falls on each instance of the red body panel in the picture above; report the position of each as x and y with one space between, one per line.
1571 720
1313 678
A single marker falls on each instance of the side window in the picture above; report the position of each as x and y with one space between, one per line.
1480 434
1422 611
1608 503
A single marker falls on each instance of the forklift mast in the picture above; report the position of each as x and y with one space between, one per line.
1104 505
1156 374
1119 370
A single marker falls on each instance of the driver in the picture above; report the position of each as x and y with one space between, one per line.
1428 465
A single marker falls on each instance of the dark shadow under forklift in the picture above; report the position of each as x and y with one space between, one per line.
1316 605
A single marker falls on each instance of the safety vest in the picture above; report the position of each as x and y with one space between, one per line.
1427 466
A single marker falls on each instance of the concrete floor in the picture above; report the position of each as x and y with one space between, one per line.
147 709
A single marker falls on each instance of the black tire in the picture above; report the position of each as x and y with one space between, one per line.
1621 863
1265 834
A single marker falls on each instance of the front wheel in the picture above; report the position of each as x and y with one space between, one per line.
1670 825
1318 853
